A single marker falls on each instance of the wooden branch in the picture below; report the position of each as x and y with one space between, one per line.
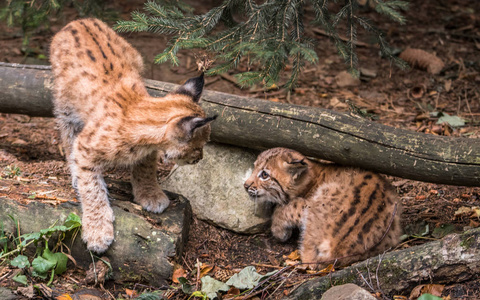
259 124
455 258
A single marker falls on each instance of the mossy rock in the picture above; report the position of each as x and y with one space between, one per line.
146 244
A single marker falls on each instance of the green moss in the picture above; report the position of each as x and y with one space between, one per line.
130 276
467 241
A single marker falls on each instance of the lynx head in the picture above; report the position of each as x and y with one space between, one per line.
189 128
279 175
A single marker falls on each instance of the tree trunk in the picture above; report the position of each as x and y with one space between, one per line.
456 258
254 123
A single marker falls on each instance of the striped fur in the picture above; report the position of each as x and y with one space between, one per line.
107 118
345 214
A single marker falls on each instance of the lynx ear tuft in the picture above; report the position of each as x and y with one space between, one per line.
192 87
191 123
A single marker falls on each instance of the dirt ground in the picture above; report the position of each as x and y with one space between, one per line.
32 165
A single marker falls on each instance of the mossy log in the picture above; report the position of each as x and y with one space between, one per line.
342 138
455 258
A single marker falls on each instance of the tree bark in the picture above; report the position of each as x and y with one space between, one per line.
456 258
259 124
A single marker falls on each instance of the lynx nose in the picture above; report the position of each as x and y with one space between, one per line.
246 185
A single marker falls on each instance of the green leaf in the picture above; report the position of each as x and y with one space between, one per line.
59 259
150 296
20 261
443 230
211 286
29 236
20 279
73 221
429 297
62 260
199 294
454 121
186 288
42 266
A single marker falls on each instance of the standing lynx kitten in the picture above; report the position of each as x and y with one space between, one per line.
345 214
107 118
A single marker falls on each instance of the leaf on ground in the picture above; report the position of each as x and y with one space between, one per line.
20 279
98 273
59 259
73 221
131 293
464 210
150 296
420 228
20 261
205 269
247 278
44 290
443 230
433 289
289 262
211 286
42 266
328 269
179 272
232 292
429 297
186 287
295 255
454 121
27 292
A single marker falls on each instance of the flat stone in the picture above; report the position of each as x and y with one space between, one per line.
347 291
6 294
215 189
146 244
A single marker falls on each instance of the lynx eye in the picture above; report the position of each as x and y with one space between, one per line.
263 175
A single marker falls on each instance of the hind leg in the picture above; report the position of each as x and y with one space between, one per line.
315 247
70 126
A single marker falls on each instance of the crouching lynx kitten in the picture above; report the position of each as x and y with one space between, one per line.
107 118
345 214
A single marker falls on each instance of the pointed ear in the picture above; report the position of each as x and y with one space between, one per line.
192 87
296 167
191 123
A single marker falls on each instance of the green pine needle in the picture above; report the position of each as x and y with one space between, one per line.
270 34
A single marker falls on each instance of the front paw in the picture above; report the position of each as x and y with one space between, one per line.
97 232
152 200
281 233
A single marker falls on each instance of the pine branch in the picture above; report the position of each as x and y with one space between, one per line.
271 33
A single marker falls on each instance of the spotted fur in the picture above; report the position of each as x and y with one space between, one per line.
107 118
345 214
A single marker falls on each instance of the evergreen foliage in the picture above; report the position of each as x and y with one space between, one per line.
270 34
31 14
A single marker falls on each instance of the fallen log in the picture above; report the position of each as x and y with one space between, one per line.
254 123
456 258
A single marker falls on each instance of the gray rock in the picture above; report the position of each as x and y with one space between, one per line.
347 291
145 246
6 294
214 187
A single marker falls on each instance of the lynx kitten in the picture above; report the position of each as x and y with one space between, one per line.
106 118
345 214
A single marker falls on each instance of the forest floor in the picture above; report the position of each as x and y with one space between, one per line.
30 155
